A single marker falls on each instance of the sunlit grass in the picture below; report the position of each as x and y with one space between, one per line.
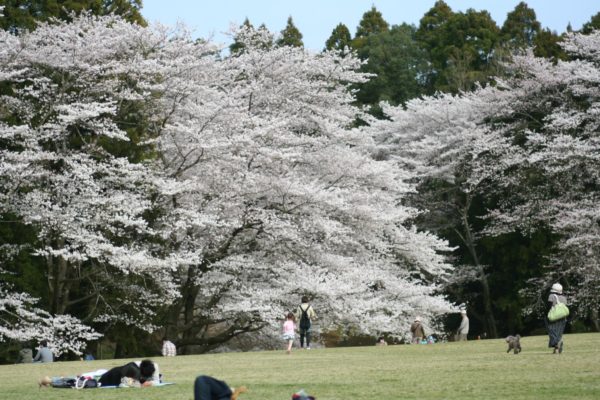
467 370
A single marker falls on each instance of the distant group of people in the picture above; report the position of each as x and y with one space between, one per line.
555 328
43 355
133 374
417 330
146 372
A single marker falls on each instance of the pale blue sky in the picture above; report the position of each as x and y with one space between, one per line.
317 18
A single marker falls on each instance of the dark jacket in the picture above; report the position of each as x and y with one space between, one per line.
113 376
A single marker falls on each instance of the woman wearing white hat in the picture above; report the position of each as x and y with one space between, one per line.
556 328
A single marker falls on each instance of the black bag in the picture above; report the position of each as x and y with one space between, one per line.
85 383
304 320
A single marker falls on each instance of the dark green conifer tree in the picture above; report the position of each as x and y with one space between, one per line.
547 45
290 36
398 64
237 46
19 14
521 27
340 38
591 25
372 22
569 27
461 47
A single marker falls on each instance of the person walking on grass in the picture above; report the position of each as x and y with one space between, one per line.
556 328
305 314
289 329
463 329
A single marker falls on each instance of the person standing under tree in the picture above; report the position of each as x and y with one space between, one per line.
418 333
463 329
305 314
556 328
289 328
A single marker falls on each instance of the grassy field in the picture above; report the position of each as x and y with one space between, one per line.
467 370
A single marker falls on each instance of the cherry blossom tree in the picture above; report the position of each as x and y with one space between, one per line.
169 185
561 145
21 320
440 138
65 120
274 197
531 144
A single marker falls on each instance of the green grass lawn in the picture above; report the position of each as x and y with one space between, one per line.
466 370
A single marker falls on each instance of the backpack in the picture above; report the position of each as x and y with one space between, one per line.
85 383
304 320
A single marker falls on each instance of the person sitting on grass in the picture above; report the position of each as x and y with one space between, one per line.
44 354
381 341
25 356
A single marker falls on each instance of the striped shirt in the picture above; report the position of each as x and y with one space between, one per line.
168 349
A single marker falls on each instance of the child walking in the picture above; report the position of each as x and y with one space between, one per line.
289 327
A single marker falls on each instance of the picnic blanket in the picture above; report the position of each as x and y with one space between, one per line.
122 386
89 380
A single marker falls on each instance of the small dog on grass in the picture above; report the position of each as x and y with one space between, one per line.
514 343
44 382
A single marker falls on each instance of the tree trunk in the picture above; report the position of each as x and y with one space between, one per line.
58 284
488 315
594 319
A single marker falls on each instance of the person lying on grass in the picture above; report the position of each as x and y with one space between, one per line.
144 373
208 388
